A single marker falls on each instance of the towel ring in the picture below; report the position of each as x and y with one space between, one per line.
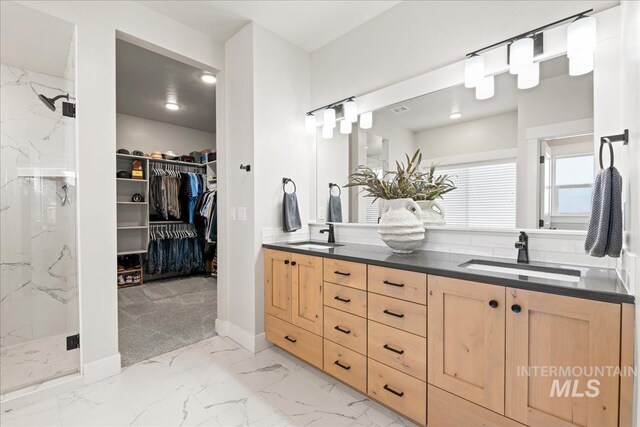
602 143
331 187
285 181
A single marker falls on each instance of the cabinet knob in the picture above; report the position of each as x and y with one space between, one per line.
286 261
493 303
293 263
516 308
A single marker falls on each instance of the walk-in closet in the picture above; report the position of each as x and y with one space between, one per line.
166 190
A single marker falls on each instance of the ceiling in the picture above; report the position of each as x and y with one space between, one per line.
307 24
433 110
145 80
33 40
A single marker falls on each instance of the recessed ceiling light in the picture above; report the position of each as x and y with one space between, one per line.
208 78
172 106
454 116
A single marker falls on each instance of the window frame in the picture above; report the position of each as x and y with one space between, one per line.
571 217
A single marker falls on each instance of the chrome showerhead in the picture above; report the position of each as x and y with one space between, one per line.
51 102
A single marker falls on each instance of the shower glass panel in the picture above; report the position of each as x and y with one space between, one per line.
38 262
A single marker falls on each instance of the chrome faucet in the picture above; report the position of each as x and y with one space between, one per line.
522 245
332 236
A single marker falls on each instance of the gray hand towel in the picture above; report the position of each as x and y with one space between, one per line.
335 209
604 236
290 213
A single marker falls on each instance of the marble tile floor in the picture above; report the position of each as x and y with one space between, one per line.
214 382
164 315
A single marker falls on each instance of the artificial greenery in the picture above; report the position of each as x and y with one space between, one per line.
406 182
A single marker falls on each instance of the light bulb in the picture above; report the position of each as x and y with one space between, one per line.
351 111
208 78
529 77
581 37
366 120
520 55
345 127
310 124
485 88
327 132
455 116
172 106
329 117
473 70
581 64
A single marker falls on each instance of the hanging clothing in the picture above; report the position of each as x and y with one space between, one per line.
174 254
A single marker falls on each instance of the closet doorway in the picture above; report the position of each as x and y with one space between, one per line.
166 202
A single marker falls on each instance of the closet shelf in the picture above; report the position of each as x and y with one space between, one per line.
166 222
133 203
131 180
131 252
132 227
177 162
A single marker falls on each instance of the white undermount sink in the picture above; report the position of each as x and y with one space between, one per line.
314 245
562 274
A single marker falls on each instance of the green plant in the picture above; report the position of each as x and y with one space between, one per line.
432 186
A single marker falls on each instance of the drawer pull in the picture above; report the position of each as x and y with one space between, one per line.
345 367
288 338
398 285
391 313
337 297
390 390
341 273
344 331
387 347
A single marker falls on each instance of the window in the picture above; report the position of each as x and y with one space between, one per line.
572 184
485 197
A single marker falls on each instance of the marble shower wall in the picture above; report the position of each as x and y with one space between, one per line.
38 280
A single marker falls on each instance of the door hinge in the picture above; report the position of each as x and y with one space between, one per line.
541 159
73 342
69 109
541 223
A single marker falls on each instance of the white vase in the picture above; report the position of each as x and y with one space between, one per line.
401 226
432 212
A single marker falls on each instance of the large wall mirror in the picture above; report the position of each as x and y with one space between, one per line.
522 157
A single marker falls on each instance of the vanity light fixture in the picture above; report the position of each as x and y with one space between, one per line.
455 116
350 111
529 77
366 120
208 78
473 70
345 126
327 132
172 106
521 55
486 88
310 123
581 45
329 117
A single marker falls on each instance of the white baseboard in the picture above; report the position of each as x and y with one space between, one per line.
101 369
253 343
222 328
261 342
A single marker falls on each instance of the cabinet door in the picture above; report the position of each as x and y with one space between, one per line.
277 284
306 292
466 340
573 336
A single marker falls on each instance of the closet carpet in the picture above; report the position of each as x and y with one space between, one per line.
165 315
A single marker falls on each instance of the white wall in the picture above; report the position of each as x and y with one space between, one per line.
401 140
136 133
332 166
476 136
97 23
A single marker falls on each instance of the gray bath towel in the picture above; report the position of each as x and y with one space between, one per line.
335 209
290 213
604 236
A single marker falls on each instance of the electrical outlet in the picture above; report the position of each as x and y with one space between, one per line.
321 211
232 214
242 213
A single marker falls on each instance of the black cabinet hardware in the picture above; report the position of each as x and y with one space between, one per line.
387 347
341 273
288 338
344 331
399 285
345 367
293 263
342 299
493 303
516 308
390 390
391 313
286 261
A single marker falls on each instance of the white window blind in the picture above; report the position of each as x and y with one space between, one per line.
485 197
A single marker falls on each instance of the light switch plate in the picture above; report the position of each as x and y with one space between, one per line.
232 214
242 213
321 211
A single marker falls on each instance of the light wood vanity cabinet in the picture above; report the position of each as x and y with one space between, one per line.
447 351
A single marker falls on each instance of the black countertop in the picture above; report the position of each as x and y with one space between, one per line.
595 283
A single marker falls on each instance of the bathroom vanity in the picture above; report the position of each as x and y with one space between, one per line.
448 345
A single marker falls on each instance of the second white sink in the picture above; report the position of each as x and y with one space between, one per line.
531 271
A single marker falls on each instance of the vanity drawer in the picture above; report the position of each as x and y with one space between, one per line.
346 365
400 314
295 340
398 349
406 285
347 299
345 329
345 273
399 391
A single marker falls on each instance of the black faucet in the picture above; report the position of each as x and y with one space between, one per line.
332 236
522 245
